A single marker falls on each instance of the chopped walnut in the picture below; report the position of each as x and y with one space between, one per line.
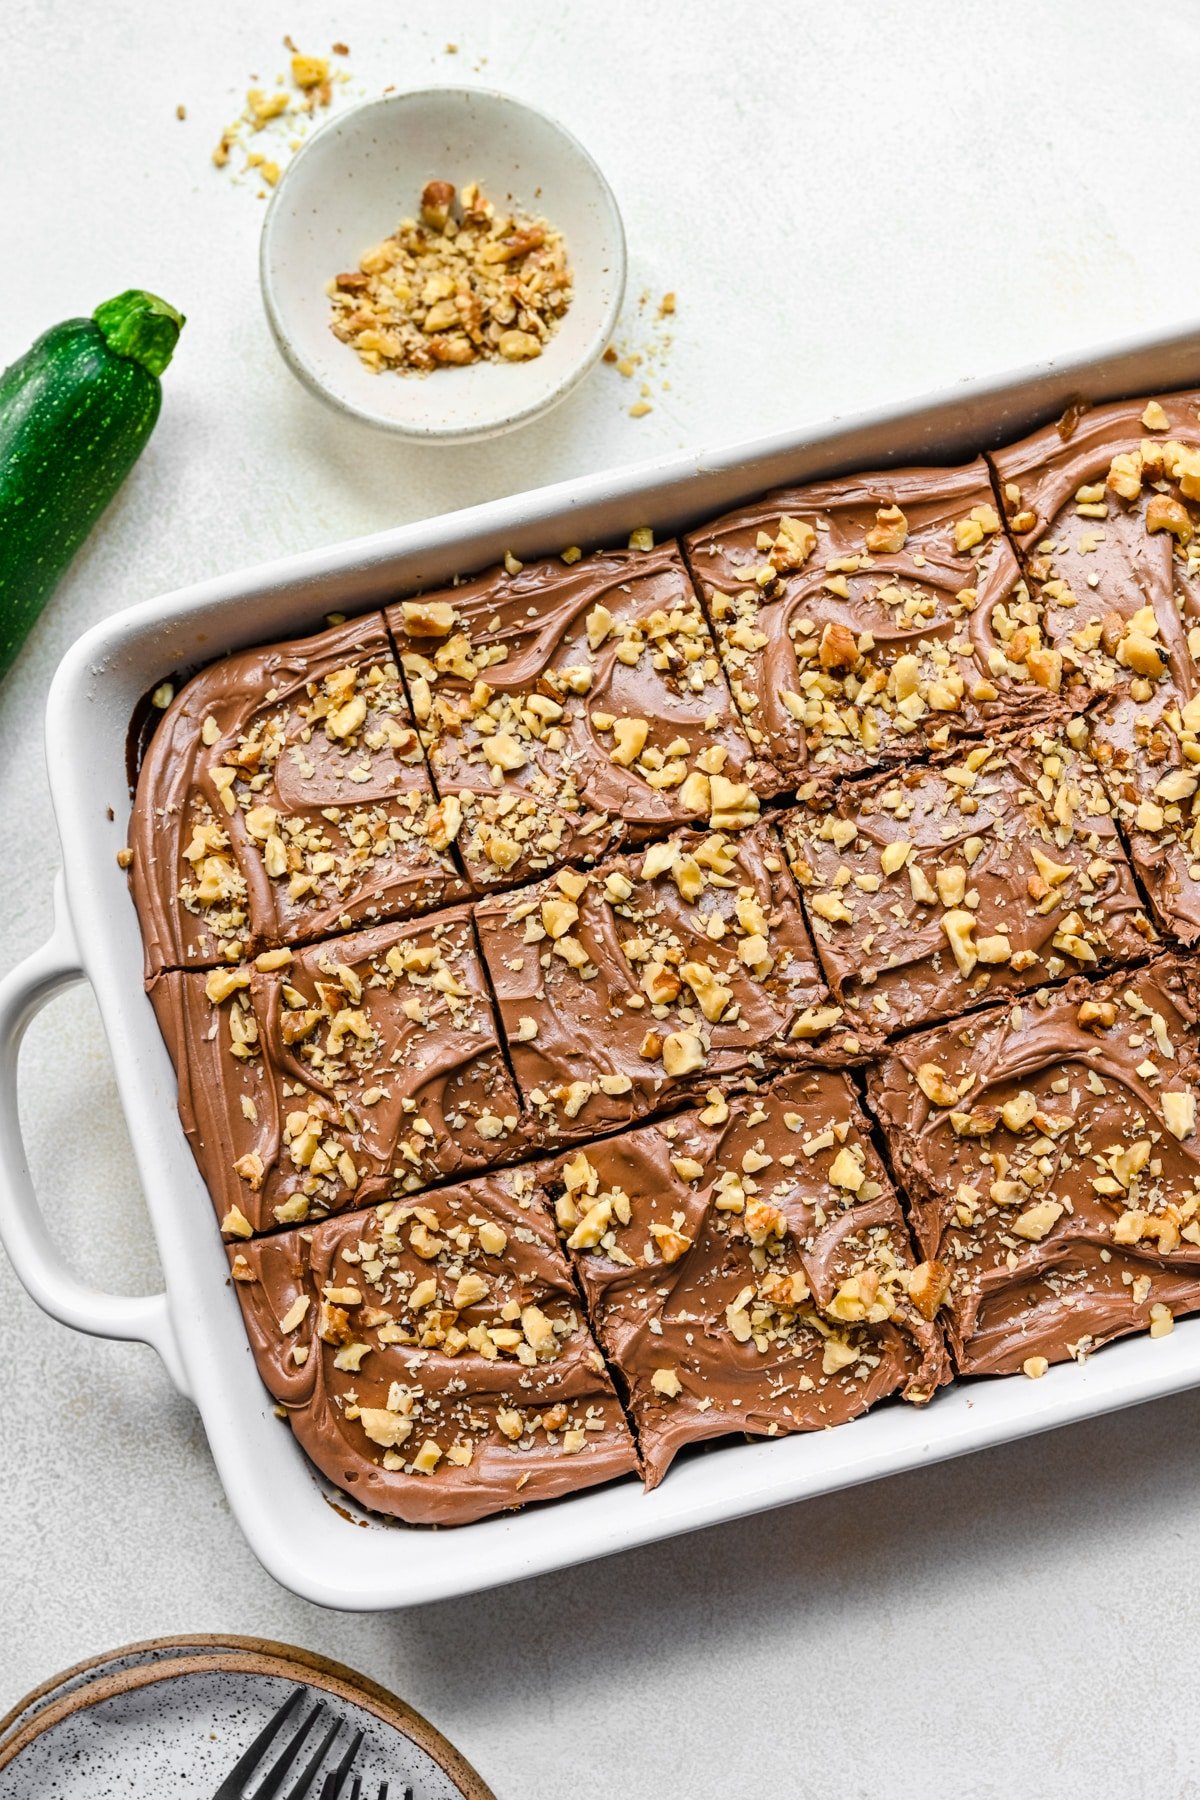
476 285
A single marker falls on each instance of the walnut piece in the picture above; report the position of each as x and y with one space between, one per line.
464 283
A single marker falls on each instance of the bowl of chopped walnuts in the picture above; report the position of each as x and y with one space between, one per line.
445 264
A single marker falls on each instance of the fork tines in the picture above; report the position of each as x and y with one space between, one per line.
282 1781
332 1790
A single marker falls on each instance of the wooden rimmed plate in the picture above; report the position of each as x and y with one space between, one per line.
176 1713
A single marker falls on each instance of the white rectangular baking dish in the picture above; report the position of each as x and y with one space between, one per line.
195 1325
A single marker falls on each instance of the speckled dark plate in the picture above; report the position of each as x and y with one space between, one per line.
173 1715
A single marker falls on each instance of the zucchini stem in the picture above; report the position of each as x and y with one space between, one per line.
141 326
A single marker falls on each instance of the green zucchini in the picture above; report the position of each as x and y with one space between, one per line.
75 413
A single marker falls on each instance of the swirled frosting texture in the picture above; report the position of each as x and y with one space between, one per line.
321 1079
1107 520
1052 1163
934 889
568 708
747 1268
431 1355
1104 507
625 989
1149 754
283 797
865 621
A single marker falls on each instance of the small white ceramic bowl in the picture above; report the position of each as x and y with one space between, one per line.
360 175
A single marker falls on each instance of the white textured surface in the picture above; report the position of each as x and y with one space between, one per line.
862 203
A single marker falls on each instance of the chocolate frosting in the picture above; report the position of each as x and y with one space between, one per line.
325 1078
1149 755
1016 705
1052 1164
931 890
565 708
623 990
283 797
747 1268
868 620
431 1354
1105 519
1107 522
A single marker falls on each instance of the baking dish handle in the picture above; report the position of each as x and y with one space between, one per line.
55 1288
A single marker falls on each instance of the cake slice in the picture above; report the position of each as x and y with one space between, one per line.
624 989
315 1080
431 1354
571 707
1104 507
871 619
747 1268
1148 753
931 890
284 797
1050 1155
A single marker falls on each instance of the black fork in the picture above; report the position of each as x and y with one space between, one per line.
331 1792
299 1779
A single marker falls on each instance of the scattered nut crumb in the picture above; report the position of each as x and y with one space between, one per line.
287 108
646 354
